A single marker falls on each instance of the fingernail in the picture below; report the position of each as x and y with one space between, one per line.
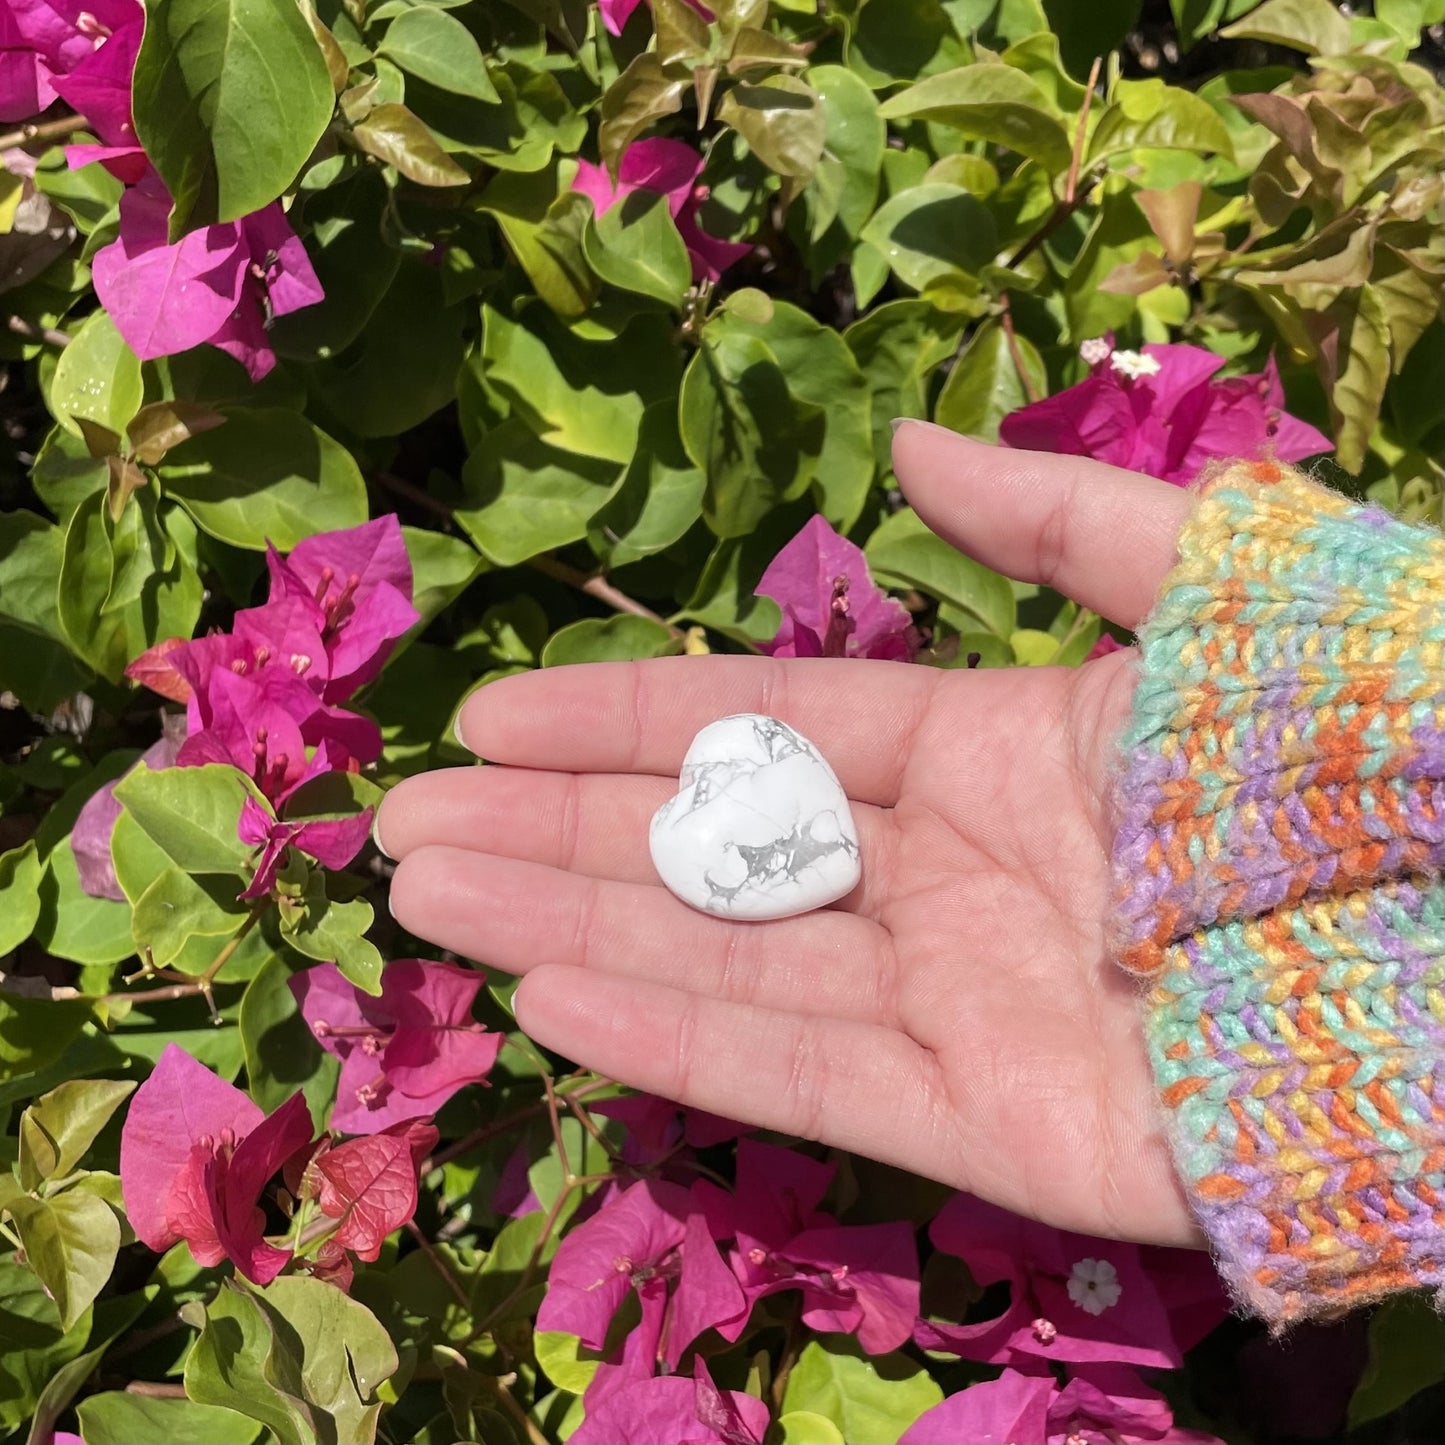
376 833
898 421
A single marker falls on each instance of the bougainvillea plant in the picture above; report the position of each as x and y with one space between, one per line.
358 354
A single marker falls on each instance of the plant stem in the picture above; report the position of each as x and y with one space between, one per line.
509 1403
201 985
1006 321
41 130
48 334
594 584
504 1126
440 1265
1079 621
1071 185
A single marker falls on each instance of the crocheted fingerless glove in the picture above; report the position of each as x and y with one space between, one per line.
1278 878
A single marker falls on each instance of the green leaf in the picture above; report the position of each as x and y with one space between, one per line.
845 184
659 499
874 1398
74 925
238 1363
898 346
20 873
116 1417
567 1362
932 232
161 425
266 475
395 135
803 1427
609 639
1407 1355
820 371
345 1354
281 1053
442 568
903 552
1313 26
34 1032
984 385
190 814
177 908
401 369
230 98
333 932
36 1347
97 378
989 102
57 1129
126 584
635 245
438 48
581 396
544 231
354 263
645 92
71 1241
755 442
782 121
528 497
31 551
1148 113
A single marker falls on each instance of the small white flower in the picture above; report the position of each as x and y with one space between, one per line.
1095 350
1094 1286
1134 364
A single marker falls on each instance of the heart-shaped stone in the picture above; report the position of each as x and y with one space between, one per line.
759 828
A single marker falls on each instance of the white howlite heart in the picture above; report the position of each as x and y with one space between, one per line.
759 828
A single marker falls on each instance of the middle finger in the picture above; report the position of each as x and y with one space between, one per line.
593 824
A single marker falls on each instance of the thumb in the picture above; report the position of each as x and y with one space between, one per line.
1103 536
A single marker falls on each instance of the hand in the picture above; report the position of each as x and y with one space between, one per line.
956 1014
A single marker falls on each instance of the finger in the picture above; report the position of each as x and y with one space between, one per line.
593 824
640 717
518 916
1103 536
854 1085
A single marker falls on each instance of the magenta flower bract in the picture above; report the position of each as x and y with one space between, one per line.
831 605
43 41
195 1156
1162 411
671 168
1070 1297
403 1053
675 1409
653 1238
616 13
90 837
857 1278
355 588
217 284
1115 1407
655 1127
333 842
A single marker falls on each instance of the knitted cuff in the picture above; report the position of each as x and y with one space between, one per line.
1278 876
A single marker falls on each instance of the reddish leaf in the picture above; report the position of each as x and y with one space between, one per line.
369 1184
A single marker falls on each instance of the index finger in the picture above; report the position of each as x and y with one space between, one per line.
640 717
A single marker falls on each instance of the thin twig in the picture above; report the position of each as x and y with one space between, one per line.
596 585
48 334
440 1265
478 1137
1071 185
509 1402
415 494
41 130
202 984
1006 320
156 1390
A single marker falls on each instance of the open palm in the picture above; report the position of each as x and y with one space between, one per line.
957 1014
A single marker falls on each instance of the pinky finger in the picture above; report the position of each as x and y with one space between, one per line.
853 1085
